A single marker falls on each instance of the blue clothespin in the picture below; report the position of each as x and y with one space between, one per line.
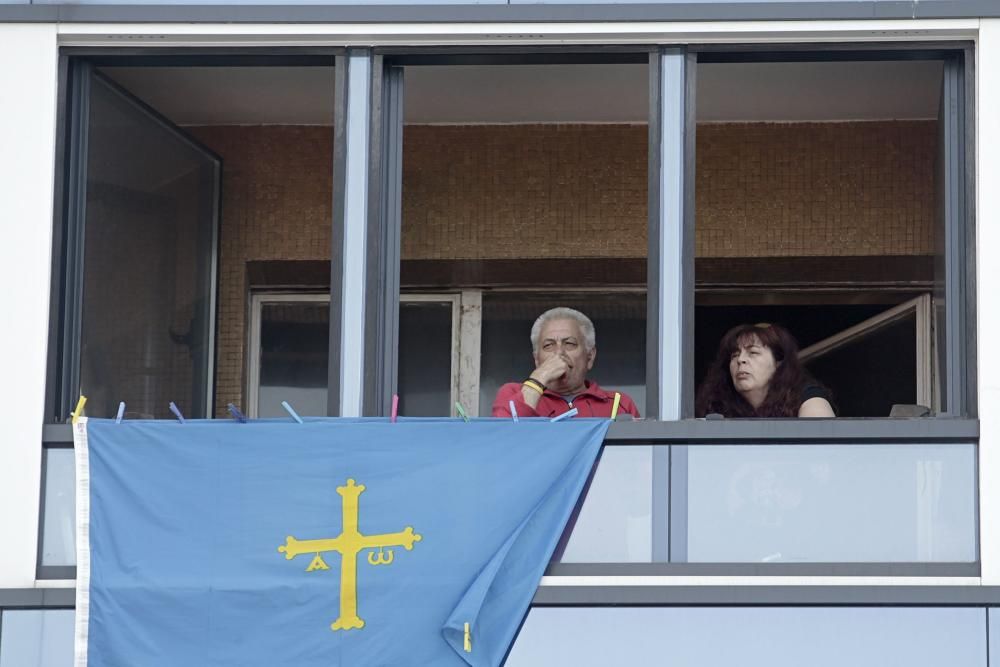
513 411
121 413
177 412
290 411
566 415
237 415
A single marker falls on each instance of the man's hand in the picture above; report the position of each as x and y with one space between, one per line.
551 369
546 372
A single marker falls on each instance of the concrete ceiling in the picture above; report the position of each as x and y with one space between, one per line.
747 92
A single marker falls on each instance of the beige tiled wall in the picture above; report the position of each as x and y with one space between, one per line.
510 191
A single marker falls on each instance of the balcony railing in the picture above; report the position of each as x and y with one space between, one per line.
739 497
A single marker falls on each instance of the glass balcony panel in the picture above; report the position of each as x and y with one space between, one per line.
36 638
59 528
614 524
751 637
831 503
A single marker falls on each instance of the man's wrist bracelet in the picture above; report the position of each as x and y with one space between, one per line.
534 384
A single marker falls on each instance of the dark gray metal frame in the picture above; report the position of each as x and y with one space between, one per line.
384 234
337 234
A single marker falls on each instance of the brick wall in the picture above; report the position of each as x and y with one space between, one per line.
276 204
509 191
765 190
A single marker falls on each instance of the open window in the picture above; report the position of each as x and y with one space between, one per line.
192 181
524 180
830 199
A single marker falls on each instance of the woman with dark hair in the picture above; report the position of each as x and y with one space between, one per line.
757 374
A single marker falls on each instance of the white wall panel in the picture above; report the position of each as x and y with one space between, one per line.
28 80
988 287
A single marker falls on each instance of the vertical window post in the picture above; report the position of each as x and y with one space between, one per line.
352 252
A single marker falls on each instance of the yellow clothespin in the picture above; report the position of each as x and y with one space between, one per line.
614 406
79 407
468 639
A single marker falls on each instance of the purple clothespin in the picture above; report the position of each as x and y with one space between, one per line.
237 415
177 412
513 411
121 413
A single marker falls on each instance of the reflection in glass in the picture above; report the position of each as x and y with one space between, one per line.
294 350
36 638
425 358
614 525
751 637
833 503
148 278
58 527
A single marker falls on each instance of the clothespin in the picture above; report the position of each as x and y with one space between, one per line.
513 411
461 411
395 408
177 412
614 406
121 412
79 408
290 411
573 412
237 415
468 639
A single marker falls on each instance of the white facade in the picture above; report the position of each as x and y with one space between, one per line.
28 108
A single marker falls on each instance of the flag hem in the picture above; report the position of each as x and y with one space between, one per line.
82 623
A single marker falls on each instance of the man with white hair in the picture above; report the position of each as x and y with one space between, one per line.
564 348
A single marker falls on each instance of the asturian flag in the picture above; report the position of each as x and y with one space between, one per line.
333 542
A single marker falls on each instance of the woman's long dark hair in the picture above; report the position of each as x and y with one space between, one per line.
784 393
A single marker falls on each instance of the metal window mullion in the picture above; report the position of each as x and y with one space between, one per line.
76 211
337 222
383 243
355 221
956 242
671 285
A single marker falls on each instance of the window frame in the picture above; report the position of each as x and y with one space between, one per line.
381 220
959 131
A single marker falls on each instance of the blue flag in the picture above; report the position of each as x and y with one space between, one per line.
333 542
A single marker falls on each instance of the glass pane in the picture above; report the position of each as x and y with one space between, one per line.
751 637
615 523
833 503
59 522
619 321
886 359
36 638
294 352
425 359
147 288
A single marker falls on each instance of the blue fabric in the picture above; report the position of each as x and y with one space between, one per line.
186 521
